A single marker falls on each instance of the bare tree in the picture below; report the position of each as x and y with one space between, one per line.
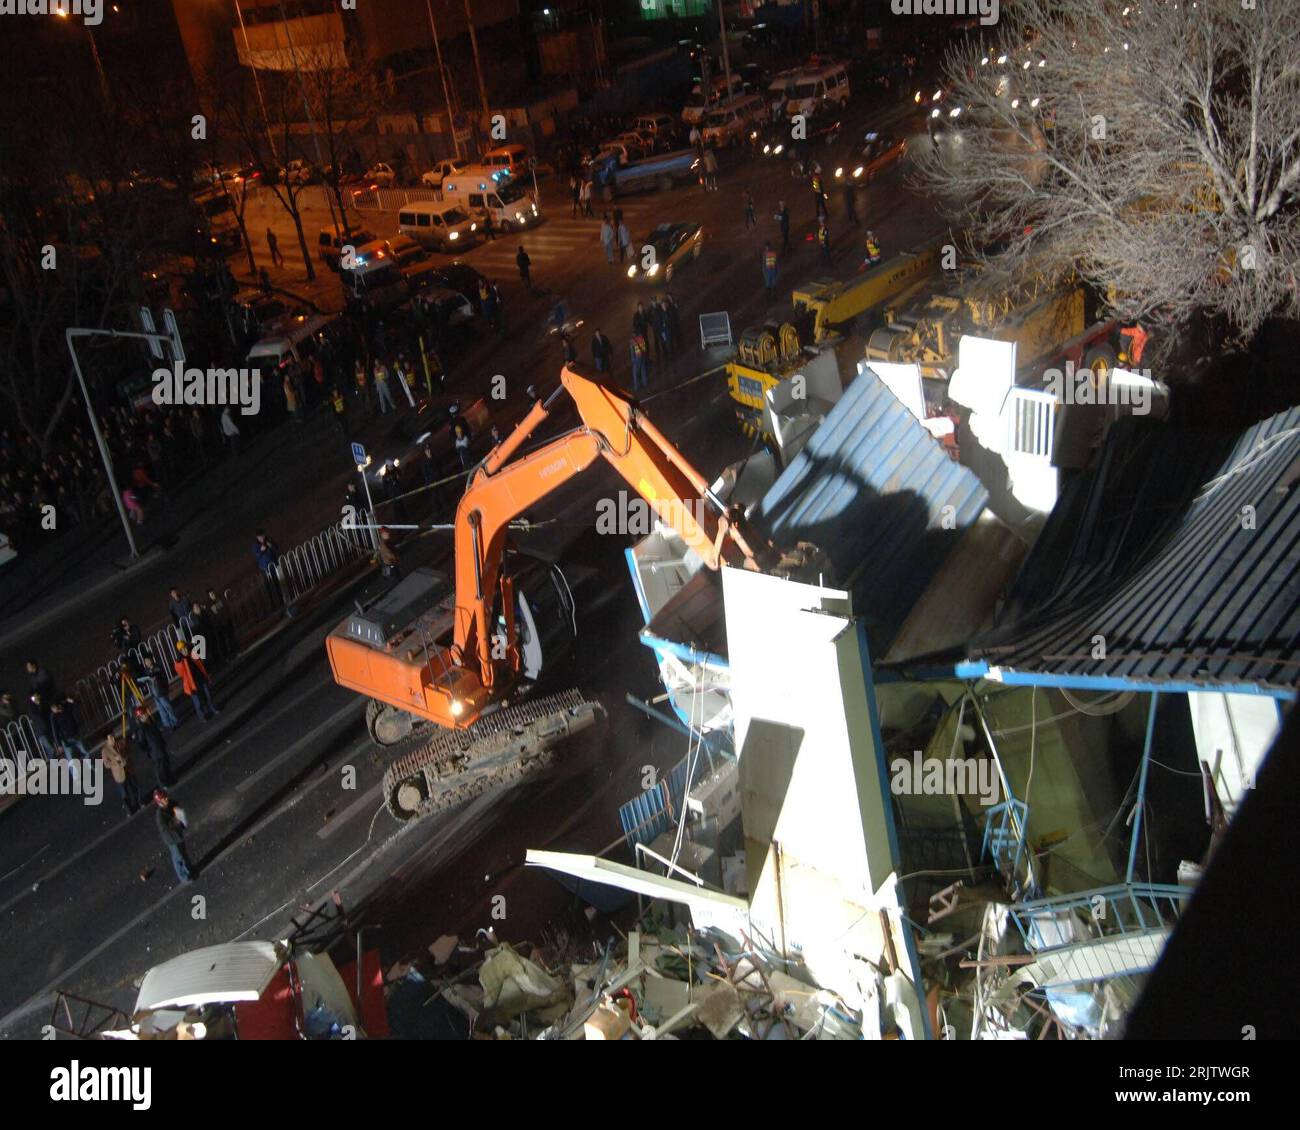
343 103
78 222
1152 147
281 100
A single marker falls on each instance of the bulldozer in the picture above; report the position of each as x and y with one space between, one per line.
450 664
1037 316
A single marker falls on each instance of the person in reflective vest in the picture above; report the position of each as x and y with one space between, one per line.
873 251
824 239
640 364
340 407
1137 343
769 269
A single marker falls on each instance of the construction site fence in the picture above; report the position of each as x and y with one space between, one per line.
101 696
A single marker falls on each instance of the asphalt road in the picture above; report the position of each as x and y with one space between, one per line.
273 828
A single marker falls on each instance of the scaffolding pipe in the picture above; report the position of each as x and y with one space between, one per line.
1142 788
1021 832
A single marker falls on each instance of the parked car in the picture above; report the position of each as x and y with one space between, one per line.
642 145
674 247
662 127
446 168
379 175
330 243
295 336
298 172
460 277
254 312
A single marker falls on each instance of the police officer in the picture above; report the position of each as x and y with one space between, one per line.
824 239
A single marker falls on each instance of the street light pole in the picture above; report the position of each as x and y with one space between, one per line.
163 344
726 56
99 437
478 66
257 83
442 73
94 50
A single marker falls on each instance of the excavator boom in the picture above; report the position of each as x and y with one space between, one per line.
454 684
465 683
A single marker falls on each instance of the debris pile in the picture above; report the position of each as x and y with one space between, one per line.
674 983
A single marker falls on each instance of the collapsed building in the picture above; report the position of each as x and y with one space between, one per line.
966 786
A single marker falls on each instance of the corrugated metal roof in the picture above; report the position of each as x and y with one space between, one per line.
1181 550
235 971
870 489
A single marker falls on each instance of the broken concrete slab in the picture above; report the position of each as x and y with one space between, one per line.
720 1010
443 948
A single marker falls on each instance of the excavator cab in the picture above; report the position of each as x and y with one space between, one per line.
393 645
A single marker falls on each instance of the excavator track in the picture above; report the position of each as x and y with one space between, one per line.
458 765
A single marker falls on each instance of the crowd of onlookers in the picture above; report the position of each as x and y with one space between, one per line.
153 452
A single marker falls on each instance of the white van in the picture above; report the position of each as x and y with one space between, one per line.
507 202
780 88
440 225
818 89
729 122
698 106
292 337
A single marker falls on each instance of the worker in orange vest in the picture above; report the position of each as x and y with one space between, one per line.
1132 353
195 681
363 390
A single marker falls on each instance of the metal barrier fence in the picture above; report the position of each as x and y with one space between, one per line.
389 199
100 696
18 743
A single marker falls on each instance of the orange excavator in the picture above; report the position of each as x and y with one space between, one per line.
461 657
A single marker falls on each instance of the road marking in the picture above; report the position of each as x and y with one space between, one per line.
24 863
275 762
365 801
37 999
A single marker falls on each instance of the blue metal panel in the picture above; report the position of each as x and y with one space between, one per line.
650 814
630 558
881 497
978 669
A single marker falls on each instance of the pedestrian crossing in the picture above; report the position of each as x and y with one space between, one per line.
557 236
